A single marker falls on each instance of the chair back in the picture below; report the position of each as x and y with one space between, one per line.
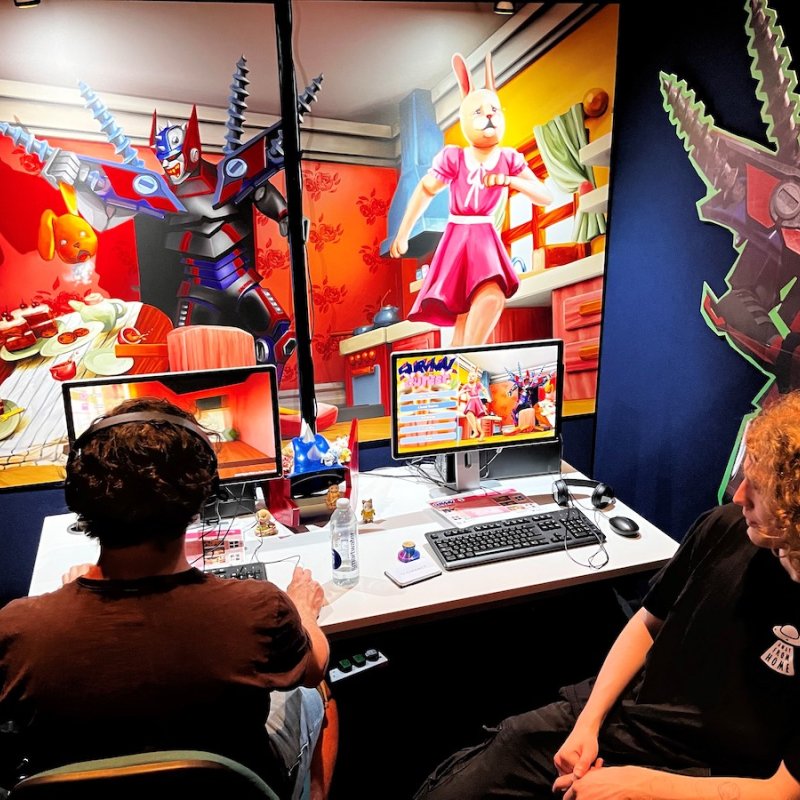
193 774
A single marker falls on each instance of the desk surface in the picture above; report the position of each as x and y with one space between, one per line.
402 512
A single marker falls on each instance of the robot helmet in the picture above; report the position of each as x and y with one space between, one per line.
177 147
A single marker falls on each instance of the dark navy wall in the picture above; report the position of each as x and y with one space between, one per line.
22 514
671 393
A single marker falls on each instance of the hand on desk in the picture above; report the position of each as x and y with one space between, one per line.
76 572
306 593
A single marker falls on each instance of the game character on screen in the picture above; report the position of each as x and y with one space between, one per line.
470 276
697 697
141 651
471 396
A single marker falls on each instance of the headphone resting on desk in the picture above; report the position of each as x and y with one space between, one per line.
139 416
602 495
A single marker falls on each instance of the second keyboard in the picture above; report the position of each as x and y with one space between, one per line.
501 540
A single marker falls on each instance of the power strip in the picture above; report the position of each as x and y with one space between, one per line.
355 665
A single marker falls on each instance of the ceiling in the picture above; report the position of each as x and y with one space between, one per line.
372 52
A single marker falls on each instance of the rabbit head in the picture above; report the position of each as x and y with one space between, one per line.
482 120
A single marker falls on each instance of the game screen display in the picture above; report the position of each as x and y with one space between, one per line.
462 398
238 407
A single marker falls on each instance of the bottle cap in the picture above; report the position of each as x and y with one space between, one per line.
342 502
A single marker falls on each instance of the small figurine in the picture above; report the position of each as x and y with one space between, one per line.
265 523
367 511
332 496
408 553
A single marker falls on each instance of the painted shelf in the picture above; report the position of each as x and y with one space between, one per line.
597 153
594 202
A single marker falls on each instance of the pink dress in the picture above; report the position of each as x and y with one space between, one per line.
474 401
470 251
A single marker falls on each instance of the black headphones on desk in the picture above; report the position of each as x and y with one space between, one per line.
138 416
602 495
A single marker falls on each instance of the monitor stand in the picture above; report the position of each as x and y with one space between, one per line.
232 500
461 471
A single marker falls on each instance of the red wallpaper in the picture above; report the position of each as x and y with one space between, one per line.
346 206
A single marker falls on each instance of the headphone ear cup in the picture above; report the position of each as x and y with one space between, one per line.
561 492
602 496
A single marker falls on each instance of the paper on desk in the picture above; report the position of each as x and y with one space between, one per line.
483 505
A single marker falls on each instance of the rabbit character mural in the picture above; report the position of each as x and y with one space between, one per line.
470 275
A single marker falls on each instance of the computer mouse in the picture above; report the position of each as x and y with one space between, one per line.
624 526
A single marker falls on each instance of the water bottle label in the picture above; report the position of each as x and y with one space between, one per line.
337 559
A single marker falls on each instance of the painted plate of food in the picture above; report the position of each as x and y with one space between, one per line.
10 416
71 338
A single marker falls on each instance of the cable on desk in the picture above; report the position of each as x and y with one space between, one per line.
601 554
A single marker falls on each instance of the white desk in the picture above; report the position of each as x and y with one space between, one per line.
401 513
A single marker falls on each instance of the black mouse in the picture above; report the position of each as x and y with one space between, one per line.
624 526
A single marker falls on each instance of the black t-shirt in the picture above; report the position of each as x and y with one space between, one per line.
186 661
720 685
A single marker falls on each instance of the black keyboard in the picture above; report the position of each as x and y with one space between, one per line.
501 540
240 572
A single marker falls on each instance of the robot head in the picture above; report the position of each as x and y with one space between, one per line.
177 147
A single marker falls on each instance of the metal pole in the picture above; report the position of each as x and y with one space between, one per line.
294 201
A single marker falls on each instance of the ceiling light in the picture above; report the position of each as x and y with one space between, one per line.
505 7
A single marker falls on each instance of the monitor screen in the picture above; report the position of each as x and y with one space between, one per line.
239 405
457 399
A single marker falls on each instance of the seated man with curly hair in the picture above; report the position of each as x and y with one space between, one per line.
698 697
141 652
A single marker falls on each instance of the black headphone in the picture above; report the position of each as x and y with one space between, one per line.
138 416
602 495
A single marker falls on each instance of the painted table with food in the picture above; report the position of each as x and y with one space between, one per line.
39 350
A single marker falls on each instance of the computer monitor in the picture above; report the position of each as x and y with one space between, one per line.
459 400
238 404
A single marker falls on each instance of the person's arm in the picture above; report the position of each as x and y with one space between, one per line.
625 658
639 783
308 596
525 182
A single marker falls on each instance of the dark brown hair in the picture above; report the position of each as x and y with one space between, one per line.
140 481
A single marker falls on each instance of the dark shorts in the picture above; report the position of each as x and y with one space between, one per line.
515 760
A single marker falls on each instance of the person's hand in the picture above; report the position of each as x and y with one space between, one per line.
399 247
305 592
614 783
75 572
565 782
577 755
496 179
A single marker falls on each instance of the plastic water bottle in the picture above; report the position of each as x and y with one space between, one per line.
344 544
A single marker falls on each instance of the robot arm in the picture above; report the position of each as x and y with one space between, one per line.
270 202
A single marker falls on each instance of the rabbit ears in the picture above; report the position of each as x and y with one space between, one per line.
465 78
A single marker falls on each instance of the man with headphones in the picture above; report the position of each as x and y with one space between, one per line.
698 697
141 651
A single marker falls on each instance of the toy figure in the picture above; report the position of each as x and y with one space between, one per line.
202 214
367 511
332 496
470 275
755 193
409 552
265 523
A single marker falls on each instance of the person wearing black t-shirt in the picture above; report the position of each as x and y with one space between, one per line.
699 697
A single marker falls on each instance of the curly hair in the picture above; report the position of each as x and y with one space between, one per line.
140 481
773 449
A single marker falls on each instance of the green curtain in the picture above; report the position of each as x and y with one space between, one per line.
560 141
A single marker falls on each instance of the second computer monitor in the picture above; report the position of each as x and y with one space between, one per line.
238 405
455 399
